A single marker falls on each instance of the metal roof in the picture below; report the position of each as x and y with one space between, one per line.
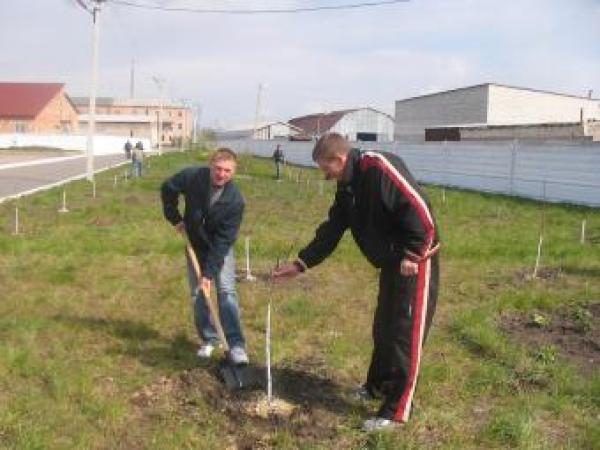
322 122
498 85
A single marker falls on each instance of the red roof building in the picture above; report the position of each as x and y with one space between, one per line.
36 108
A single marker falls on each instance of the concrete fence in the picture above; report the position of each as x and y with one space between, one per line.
103 145
567 173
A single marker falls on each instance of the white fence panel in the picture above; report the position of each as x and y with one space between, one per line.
552 172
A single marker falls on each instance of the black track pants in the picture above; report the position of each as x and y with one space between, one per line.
405 308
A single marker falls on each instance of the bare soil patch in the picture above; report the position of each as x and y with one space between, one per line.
310 406
102 222
543 273
574 332
132 200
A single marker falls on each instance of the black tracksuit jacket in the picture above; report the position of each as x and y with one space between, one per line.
382 205
212 230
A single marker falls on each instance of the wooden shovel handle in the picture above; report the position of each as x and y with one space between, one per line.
212 304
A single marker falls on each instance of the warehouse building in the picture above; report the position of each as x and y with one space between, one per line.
495 111
277 130
363 124
169 122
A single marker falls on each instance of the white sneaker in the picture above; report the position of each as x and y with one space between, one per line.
205 351
238 355
379 424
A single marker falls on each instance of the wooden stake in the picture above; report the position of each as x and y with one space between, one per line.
537 259
115 183
268 354
582 240
16 220
64 203
249 276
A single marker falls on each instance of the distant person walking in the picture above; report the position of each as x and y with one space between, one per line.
137 159
279 158
128 147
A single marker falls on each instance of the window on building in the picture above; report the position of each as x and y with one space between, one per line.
179 127
180 114
20 126
147 112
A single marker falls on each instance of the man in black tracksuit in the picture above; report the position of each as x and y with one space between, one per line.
392 223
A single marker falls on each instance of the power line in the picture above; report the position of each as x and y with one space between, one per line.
357 5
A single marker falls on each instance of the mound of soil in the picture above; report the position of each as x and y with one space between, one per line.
577 340
309 406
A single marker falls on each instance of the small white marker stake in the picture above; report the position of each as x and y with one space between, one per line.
444 196
582 240
537 259
249 276
16 220
64 209
268 355
115 182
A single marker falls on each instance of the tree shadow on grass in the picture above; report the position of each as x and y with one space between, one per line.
140 341
294 381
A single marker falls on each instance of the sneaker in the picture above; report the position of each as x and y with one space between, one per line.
238 355
205 351
379 424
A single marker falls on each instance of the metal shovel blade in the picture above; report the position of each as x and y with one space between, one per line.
237 376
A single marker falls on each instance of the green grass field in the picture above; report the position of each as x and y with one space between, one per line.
97 346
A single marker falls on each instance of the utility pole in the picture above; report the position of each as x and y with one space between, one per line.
256 115
132 79
159 81
95 11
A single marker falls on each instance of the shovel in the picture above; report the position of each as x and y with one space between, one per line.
235 376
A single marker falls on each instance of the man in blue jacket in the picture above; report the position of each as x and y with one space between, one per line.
392 223
212 216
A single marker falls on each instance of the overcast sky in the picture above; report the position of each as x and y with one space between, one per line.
308 62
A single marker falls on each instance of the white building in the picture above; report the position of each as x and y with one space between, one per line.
135 126
277 130
363 124
490 105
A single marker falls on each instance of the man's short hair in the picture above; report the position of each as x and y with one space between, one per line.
329 145
223 154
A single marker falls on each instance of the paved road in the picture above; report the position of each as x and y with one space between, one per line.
16 180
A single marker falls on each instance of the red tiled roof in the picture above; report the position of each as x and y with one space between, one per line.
26 100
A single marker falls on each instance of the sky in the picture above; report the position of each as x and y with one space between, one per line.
308 62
